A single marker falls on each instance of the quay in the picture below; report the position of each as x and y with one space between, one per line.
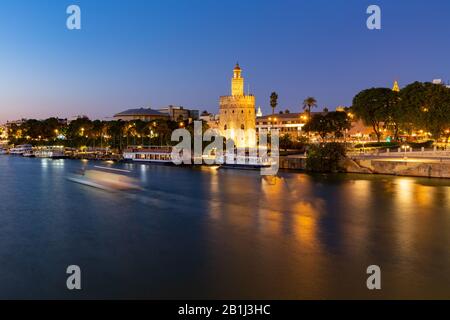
430 164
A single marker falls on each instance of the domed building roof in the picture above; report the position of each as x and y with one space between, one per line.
237 67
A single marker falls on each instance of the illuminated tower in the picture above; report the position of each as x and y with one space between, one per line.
396 88
237 113
259 113
237 82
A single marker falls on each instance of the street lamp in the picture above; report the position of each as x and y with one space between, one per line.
405 147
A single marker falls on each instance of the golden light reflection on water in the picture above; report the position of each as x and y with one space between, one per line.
279 209
404 193
360 192
424 195
299 227
406 208
305 225
448 197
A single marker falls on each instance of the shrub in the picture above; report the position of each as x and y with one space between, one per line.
417 145
325 157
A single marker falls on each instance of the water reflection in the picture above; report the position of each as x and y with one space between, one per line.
208 233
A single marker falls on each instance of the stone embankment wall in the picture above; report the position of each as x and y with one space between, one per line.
293 163
417 168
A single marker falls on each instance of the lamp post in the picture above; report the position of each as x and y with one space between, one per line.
405 148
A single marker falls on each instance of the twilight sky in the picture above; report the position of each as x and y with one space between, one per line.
142 53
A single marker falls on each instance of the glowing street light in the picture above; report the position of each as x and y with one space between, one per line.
405 147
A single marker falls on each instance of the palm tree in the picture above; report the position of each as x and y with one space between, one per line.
273 101
308 103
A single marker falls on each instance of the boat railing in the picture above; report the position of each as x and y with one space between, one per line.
156 149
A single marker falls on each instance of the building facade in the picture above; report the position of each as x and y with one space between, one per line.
237 113
287 123
179 113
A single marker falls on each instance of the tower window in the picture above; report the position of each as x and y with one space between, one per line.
225 127
242 127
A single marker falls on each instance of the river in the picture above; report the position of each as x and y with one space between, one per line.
208 233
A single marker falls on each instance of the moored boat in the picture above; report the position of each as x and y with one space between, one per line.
21 149
29 154
51 152
152 154
245 160
246 163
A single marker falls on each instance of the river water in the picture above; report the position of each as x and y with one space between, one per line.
208 233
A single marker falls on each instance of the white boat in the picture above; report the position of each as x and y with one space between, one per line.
28 154
107 179
151 154
3 151
21 149
51 152
244 161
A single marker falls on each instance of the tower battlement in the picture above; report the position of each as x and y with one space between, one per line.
237 100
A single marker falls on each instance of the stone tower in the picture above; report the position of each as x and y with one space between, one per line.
396 87
237 113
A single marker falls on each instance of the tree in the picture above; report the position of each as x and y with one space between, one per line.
116 130
273 101
325 157
285 142
309 103
331 123
339 122
142 130
79 131
372 107
320 124
426 106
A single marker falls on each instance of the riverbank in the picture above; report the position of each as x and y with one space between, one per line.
410 167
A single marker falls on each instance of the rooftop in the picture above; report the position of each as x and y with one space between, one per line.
140 112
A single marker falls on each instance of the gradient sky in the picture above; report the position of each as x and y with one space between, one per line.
136 53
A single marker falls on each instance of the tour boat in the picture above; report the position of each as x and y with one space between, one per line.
152 154
28 154
244 161
51 152
247 163
108 179
21 149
